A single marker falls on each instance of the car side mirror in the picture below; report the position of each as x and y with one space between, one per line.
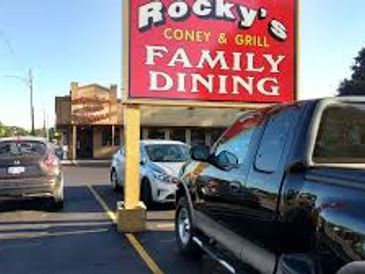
200 153
226 160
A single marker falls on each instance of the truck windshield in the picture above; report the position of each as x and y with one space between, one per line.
341 135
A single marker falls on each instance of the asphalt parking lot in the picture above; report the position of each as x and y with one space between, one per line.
82 237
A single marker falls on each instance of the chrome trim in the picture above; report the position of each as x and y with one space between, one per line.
215 257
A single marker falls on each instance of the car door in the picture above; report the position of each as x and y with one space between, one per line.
220 186
259 217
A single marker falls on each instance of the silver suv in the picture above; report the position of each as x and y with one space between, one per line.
161 161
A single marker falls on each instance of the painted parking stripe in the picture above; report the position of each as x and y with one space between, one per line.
152 265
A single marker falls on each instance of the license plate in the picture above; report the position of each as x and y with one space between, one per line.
16 170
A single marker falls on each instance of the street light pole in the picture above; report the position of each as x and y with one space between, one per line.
30 79
29 82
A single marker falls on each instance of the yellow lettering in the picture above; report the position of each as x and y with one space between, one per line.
189 36
167 33
249 40
186 35
239 40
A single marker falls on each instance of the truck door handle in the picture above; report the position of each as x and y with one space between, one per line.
234 187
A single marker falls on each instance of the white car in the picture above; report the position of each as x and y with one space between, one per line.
161 161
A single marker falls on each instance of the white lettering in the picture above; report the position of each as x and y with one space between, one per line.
278 30
246 84
165 83
206 57
247 17
206 82
251 63
223 10
274 63
180 56
181 82
273 90
150 14
222 84
152 52
202 8
236 61
178 11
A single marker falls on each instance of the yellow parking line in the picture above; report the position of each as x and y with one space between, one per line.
152 265
143 254
107 210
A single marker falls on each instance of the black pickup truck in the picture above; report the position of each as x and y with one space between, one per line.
282 191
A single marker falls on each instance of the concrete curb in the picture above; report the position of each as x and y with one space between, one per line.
86 162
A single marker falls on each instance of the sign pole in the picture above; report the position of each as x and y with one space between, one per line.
132 212
132 136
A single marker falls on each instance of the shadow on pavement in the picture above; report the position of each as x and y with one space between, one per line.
77 199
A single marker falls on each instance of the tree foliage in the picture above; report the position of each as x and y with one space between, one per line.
356 84
8 131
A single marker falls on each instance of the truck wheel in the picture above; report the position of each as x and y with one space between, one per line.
146 193
184 231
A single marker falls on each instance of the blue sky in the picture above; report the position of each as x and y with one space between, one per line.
80 40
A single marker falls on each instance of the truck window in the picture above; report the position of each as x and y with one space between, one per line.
341 135
238 137
274 139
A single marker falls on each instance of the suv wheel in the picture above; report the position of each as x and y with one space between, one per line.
58 199
184 231
146 193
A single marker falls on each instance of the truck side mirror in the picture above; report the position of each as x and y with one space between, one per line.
226 160
200 153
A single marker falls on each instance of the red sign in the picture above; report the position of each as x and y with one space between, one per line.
213 50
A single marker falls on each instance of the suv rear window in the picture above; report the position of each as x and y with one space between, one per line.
341 135
22 148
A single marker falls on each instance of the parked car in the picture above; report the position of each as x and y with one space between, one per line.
161 161
29 168
282 191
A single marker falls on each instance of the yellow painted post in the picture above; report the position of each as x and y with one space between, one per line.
132 123
132 212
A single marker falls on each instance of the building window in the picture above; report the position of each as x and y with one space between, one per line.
156 133
215 134
178 135
117 132
197 137
106 136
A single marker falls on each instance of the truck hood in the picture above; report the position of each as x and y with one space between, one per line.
170 168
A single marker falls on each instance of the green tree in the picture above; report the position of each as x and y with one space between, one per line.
7 131
356 84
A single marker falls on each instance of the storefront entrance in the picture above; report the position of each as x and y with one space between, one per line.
84 148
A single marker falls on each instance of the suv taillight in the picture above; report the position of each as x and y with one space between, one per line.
50 162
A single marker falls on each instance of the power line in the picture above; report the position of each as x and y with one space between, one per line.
10 46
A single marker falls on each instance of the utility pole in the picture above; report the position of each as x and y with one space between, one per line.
30 82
